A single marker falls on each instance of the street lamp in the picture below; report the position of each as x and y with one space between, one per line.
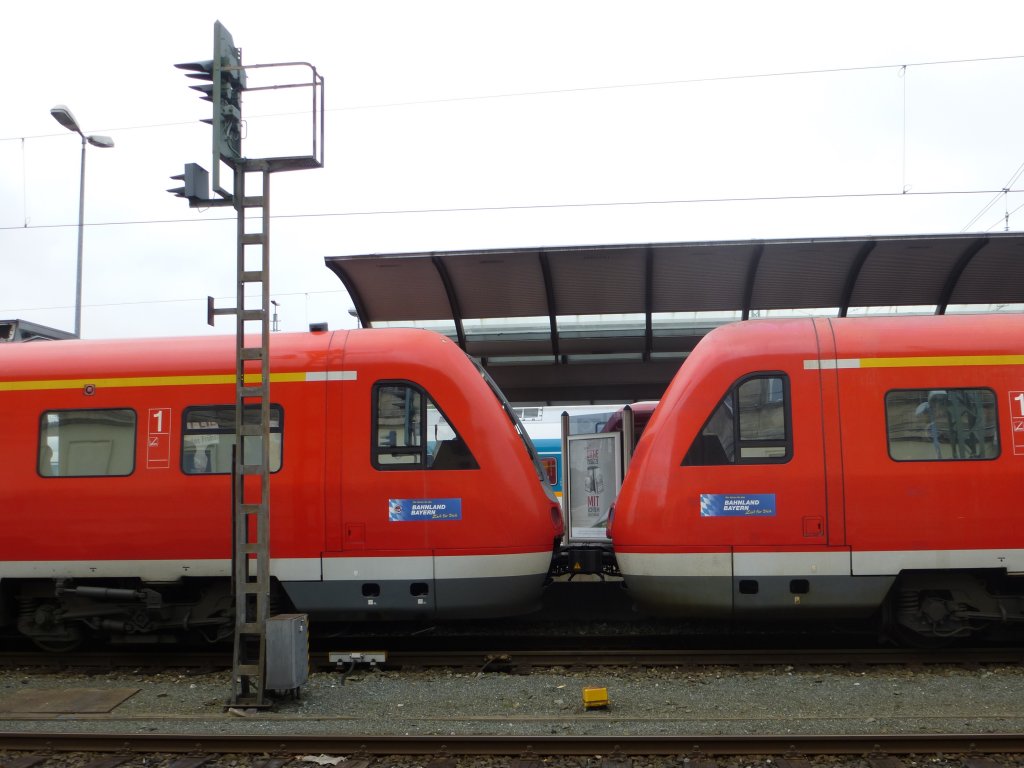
63 116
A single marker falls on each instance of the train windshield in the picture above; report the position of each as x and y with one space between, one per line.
520 429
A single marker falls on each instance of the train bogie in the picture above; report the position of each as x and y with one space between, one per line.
822 467
401 485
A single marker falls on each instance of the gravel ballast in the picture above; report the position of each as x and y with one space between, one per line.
642 701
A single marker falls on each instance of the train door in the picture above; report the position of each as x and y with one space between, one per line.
828 376
760 468
380 562
760 454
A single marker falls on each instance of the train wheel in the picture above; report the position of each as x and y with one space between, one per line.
905 637
41 622
56 645
920 618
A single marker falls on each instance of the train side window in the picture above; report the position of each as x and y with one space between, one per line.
941 424
87 443
550 466
208 437
411 432
750 425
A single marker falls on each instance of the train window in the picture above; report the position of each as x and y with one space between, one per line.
941 424
550 465
411 432
208 437
87 443
530 413
750 425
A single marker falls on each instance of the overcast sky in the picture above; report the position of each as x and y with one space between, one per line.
454 125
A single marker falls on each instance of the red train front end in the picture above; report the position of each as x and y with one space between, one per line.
815 467
401 485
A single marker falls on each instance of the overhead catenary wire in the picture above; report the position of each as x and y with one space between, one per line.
1004 218
151 302
540 206
902 68
1007 187
579 89
905 189
686 81
903 152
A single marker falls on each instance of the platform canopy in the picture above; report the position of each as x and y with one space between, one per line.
606 323
24 330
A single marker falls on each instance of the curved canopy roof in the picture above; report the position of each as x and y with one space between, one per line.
559 350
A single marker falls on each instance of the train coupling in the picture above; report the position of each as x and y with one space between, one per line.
577 559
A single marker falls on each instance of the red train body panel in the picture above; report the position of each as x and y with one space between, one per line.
832 467
365 520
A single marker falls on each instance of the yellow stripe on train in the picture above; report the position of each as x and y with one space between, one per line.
913 362
173 381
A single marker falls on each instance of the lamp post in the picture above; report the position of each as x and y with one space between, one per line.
63 116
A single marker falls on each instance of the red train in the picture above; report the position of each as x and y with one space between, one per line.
843 467
402 485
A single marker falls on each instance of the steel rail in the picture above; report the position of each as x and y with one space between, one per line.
525 658
688 658
695 745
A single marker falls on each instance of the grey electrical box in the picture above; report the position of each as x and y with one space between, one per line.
287 652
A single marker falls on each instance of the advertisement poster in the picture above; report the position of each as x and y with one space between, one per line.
408 510
595 474
737 505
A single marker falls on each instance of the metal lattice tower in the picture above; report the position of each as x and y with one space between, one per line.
251 471
223 81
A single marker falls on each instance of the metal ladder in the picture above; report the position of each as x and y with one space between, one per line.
251 474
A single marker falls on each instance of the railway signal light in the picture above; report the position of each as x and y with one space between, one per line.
195 184
223 80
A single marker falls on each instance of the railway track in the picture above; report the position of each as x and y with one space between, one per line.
789 751
524 659
448 718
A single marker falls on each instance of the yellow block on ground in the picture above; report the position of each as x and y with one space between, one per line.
595 697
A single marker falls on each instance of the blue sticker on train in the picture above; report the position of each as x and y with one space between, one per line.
737 505
405 510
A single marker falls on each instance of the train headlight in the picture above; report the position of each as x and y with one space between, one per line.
556 519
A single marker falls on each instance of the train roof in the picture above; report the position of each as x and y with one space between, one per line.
199 354
874 337
919 335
